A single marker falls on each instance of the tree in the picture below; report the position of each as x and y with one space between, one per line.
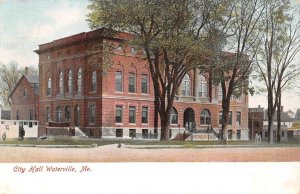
238 34
171 34
281 43
9 77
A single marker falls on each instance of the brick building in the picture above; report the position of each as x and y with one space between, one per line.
120 102
24 98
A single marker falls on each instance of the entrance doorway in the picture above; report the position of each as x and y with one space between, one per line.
189 119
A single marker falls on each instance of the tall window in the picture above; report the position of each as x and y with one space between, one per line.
92 108
70 82
220 93
186 85
173 116
131 88
49 87
118 81
144 83
61 83
205 117
144 114
67 113
58 114
202 87
77 115
132 114
119 113
47 114
79 81
30 114
220 118
94 81
230 118
238 118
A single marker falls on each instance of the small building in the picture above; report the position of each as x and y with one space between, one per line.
256 121
24 98
11 128
294 131
286 123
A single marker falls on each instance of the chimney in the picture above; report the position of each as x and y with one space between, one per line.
26 71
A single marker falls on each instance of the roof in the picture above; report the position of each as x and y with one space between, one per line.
284 117
295 126
32 79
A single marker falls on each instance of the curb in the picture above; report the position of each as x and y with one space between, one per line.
49 146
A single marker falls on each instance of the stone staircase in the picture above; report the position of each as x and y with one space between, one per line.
79 133
202 135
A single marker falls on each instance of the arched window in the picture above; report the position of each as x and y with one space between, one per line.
79 81
186 85
202 87
67 113
61 83
220 93
94 81
77 115
205 118
49 87
131 83
118 81
58 114
70 82
173 116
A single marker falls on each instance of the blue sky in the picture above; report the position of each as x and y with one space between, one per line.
24 24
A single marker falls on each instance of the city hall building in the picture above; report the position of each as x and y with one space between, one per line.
119 102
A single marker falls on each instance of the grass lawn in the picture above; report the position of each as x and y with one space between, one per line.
100 142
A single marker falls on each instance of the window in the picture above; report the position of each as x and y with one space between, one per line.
47 114
282 134
77 116
131 88
79 82
230 118
132 114
186 85
202 87
70 82
144 84
49 87
205 117
132 133
18 115
58 114
94 80
144 133
144 114
238 118
220 118
67 113
119 113
220 93
30 124
119 132
61 83
266 134
118 81
92 113
25 123
173 116
30 114
238 134
25 92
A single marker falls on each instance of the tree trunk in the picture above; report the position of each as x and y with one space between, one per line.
270 116
279 110
164 123
225 114
156 108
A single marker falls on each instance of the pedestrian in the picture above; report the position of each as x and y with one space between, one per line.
4 136
256 138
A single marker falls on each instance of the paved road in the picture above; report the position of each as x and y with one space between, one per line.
111 153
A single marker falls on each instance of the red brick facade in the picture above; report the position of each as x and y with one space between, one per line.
72 53
24 99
